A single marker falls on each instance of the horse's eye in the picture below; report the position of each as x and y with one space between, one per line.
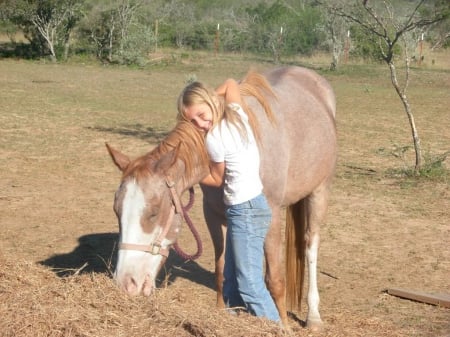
152 213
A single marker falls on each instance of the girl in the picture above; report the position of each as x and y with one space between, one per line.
234 165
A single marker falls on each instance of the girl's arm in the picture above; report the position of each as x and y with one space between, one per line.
230 91
217 172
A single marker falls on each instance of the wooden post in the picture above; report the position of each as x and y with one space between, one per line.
442 300
278 47
216 42
346 47
420 49
281 36
156 35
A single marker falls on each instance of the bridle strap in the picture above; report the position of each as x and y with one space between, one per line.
175 198
153 249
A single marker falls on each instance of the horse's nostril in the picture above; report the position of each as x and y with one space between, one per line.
130 285
147 286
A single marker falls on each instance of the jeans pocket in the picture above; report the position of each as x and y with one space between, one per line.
259 224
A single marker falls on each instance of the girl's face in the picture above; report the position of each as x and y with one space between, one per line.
200 115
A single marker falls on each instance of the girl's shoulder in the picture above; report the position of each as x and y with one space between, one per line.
236 107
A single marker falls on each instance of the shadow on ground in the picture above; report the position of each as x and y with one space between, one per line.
97 253
150 134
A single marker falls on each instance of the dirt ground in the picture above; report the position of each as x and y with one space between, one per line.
58 236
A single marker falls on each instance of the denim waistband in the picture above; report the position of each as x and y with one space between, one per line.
257 202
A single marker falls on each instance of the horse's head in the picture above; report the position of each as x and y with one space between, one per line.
148 209
148 206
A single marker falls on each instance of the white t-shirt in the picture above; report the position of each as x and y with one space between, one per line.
241 158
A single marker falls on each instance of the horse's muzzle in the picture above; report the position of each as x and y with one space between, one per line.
133 287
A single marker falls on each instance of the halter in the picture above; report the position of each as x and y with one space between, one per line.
155 247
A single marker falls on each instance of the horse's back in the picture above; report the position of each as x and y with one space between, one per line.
299 152
305 81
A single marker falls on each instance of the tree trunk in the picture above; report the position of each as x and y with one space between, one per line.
111 39
51 46
412 124
336 53
66 46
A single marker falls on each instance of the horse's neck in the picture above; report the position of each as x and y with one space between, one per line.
201 172
188 179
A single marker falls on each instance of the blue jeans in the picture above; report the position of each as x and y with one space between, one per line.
244 286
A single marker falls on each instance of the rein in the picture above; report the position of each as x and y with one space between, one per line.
155 248
193 230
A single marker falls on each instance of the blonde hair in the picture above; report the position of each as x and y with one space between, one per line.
198 93
254 84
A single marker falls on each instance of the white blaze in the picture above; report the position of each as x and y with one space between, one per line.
141 266
132 210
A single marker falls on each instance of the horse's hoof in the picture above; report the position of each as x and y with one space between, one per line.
315 325
286 327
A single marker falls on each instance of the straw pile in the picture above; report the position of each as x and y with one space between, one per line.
35 301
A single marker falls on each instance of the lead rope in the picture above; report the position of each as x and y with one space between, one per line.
193 230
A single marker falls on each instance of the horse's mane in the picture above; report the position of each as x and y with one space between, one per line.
256 85
185 140
188 140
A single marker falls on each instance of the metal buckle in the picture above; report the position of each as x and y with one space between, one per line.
156 247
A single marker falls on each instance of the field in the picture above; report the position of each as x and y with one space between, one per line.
58 230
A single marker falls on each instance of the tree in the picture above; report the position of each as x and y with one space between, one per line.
49 21
285 29
337 29
73 16
178 18
438 35
116 32
388 26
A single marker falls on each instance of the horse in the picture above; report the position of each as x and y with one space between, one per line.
298 151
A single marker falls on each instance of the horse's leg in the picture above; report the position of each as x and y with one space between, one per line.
317 203
213 210
274 268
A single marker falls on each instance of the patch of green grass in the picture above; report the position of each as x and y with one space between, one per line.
433 168
362 70
433 165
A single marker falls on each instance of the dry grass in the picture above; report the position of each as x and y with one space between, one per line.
58 182
35 302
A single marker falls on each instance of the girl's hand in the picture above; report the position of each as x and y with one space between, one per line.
216 176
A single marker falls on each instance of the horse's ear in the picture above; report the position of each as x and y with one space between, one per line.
121 160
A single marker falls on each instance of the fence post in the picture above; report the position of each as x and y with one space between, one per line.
216 42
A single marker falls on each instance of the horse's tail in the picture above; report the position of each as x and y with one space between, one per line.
295 253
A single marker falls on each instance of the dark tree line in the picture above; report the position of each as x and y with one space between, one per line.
126 31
